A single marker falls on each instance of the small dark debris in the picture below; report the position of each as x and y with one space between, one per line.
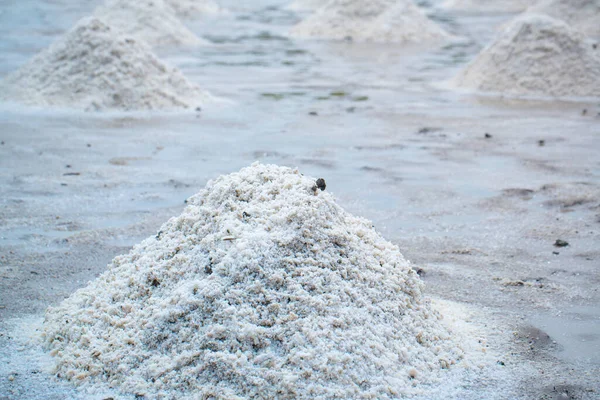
561 243
2 143
420 271
501 363
487 136
34 272
584 111
158 235
140 396
155 282
63 184
198 109
541 143
425 130
208 269
555 253
89 145
594 46
72 174
68 166
348 39
321 184
185 201
246 215
108 398
314 113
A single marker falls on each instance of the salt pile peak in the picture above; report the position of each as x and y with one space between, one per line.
581 14
262 288
536 55
397 21
489 5
153 21
194 8
95 67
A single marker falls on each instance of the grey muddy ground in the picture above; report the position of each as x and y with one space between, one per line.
478 216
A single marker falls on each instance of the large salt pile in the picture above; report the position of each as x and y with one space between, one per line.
509 6
194 8
152 21
306 4
581 14
536 55
398 21
262 288
95 67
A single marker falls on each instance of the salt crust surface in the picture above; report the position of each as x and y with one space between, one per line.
536 55
153 21
489 5
262 288
306 5
398 21
94 67
584 15
194 8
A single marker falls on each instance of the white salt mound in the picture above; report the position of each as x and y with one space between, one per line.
262 288
95 67
584 15
508 6
152 21
398 21
536 55
307 5
194 8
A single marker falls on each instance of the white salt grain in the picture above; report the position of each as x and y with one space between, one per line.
95 67
397 21
584 15
152 21
308 301
536 55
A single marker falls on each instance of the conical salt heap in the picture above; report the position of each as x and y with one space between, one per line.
536 55
95 67
397 21
194 8
584 15
489 5
152 21
262 288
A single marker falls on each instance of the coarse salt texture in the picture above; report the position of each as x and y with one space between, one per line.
397 21
306 5
536 55
496 6
262 288
94 67
153 21
194 8
584 15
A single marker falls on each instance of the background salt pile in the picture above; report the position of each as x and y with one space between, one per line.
152 21
489 5
584 15
194 8
262 287
370 21
95 67
306 5
536 55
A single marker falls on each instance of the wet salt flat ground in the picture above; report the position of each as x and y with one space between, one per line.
479 216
